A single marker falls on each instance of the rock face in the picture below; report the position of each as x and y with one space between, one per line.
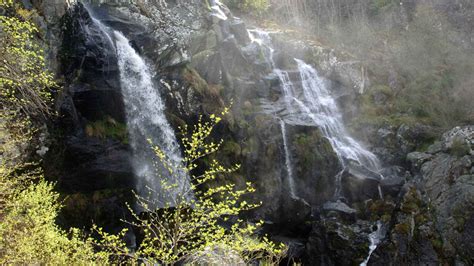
449 183
434 221
90 155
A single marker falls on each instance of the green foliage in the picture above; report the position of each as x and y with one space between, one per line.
191 227
107 128
29 235
28 204
23 78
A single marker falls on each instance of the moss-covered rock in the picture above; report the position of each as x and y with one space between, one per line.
107 128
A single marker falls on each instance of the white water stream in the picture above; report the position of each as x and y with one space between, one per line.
309 101
147 125
375 238
289 167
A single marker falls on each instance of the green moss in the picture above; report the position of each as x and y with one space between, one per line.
250 146
175 120
437 244
193 78
403 228
461 215
421 219
380 209
378 6
411 202
386 218
107 128
423 147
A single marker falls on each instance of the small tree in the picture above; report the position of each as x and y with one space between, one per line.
28 204
193 227
23 76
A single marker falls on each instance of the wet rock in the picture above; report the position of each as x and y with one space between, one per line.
417 159
90 67
315 164
359 183
203 42
239 30
93 164
449 186
339 209
335 243
392 185
232 58
102 207
435 148
208 64
297 211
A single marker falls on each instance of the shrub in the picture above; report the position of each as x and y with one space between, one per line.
29 235
28 204
459 147
23 78
197 222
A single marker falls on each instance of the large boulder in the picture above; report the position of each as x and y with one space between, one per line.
315 164
359 183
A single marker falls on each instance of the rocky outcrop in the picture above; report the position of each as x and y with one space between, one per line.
433 222
448 179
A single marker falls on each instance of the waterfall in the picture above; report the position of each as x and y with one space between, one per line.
375 238
311 103
216 9
147 123
264 40
326 115
289 166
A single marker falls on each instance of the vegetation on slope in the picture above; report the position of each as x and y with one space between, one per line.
28 204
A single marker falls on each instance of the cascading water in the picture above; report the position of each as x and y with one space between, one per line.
215 6
311 103
325 114
289 166
375 238
147 123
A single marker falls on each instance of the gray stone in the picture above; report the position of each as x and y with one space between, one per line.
435 148
238 28
360 184
338 206
417 159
